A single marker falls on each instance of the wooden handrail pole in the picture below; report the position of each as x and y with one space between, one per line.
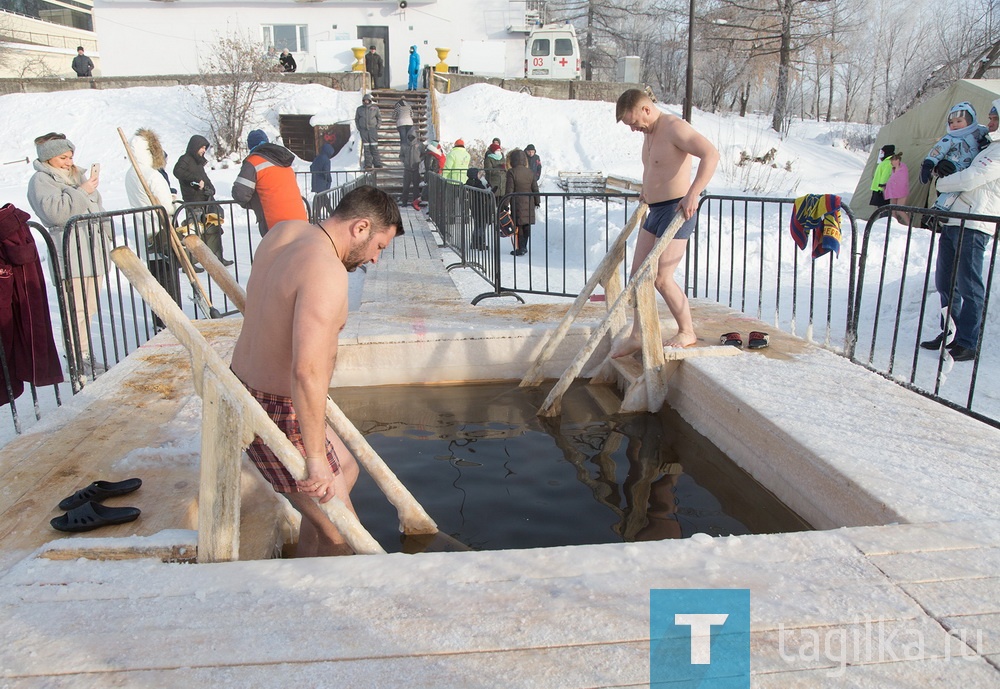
255 419
412 517
604 271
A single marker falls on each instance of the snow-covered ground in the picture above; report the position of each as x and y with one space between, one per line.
569 135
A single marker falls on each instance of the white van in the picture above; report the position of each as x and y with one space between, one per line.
552 52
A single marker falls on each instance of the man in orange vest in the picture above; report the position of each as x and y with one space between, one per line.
267 183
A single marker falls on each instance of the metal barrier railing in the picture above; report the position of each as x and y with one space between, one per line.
337 178
571 234
324 202
101 318
106 319
898 306
743 255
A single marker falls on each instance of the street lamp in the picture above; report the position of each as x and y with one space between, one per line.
689 75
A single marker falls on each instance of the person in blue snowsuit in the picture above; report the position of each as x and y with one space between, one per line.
414 69
964 138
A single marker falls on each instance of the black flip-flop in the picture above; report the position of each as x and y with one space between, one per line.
732 338
758 340
92 515
99 490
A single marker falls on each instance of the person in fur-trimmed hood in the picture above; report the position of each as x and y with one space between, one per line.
150 159
267 183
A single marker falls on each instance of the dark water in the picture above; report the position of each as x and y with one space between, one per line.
495 476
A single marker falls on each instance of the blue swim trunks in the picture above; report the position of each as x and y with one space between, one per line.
660 215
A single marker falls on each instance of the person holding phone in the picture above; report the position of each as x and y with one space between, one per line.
56 192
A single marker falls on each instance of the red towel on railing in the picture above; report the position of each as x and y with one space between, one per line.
25 325
819 214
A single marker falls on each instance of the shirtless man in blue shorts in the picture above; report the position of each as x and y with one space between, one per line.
296 306
668 145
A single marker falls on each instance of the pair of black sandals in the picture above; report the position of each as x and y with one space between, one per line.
755 340
84 511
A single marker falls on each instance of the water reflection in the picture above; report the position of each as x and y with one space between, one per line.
493 475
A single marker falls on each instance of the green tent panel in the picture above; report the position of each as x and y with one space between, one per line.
915 131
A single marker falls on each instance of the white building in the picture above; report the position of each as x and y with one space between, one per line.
152 37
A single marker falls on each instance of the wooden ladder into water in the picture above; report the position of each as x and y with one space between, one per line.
644 382
231 417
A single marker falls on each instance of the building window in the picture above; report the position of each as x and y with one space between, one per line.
294 37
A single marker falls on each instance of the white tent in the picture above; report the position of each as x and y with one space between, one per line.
915 131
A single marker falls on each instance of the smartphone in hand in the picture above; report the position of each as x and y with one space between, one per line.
95 169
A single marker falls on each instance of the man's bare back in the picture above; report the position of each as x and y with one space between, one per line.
297 268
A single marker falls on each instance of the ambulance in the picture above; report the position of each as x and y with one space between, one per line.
552 52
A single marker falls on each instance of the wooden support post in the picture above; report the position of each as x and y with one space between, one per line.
652 342
222 433
413 519
553 402
607 268
207 366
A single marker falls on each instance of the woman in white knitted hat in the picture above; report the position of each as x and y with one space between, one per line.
58 191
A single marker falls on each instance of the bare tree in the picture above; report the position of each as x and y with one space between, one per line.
770 27
236 74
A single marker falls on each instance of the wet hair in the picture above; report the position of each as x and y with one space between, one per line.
627 102
372 204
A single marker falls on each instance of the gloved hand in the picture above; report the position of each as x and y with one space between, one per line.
925 170
945 168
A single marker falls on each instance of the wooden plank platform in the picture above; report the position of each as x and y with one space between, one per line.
123 425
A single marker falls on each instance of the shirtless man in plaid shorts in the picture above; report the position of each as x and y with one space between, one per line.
296 306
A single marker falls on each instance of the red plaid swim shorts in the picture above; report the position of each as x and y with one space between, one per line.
280 410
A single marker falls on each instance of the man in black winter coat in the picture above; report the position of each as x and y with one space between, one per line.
287 61
196 187
373 65
82 65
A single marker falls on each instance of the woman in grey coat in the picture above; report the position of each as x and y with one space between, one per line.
58 191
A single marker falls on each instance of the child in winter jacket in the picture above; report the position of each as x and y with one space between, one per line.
898 186
964 138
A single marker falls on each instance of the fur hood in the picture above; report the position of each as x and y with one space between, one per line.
148 150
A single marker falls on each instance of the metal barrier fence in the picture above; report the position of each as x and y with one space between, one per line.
571 234
337 179
898 307
98 318
743 255
324 202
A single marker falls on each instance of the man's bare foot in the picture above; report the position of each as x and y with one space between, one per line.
681 340
626 346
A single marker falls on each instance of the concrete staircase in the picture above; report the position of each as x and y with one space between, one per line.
390 178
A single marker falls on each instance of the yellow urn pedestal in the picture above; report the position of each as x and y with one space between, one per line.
359 56
442 66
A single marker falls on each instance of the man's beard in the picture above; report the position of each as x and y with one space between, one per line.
355 257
